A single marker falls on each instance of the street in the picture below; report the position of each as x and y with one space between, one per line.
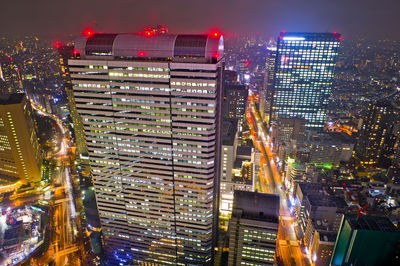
288 247
63 246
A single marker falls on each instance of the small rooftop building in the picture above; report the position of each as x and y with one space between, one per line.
253 228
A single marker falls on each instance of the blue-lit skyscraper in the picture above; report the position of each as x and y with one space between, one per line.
304 72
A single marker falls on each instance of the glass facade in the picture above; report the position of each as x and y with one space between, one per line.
304 73
151 133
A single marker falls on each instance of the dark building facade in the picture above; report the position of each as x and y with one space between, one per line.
365 240
266 93
66 53
235 101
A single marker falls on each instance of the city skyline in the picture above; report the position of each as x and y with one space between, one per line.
368 19
215 133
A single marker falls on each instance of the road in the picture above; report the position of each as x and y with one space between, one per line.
63 223
289 250
64 245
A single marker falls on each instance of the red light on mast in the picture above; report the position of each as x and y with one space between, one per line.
88 32
335 32
141 53
148 33
215 33
58 45
340 37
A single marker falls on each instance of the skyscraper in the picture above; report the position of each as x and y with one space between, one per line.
67 52
304 73
151 110
376 143
20 155
266 93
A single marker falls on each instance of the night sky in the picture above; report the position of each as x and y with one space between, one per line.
371 19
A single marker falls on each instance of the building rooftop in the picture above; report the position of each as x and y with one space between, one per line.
236 87
321 200
327 236
329 138
244 151
256 206
238 163
340 202
311 188
342 137
371 223
229 129
14 98
309 35
169 47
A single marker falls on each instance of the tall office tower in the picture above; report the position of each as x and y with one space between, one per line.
376 143
65 53
253 228
20 155
235 101
150 106
366 240
304 73
266 93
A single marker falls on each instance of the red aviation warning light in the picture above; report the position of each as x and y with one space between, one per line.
215 33
141 53
88 32
148 33
58 44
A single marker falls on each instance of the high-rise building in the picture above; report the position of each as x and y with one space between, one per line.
67 52
365 240
266 93
20 155
235 101
304 73
253 228
376 143
151 111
